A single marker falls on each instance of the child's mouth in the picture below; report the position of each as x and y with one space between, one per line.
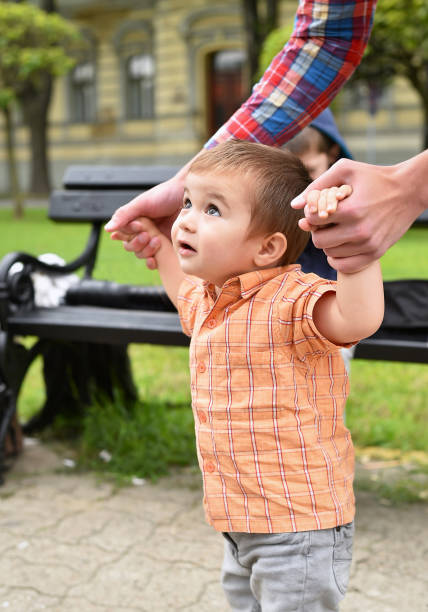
185 248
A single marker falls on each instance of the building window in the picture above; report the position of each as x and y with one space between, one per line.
140 72
83 92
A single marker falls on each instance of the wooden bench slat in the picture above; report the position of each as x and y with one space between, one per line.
412 351
116 177
88 205
113 325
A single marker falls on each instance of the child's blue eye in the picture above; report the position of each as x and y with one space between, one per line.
187 203
213 210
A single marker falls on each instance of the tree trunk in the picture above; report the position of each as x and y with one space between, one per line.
257 27
35 108
17 197
252 30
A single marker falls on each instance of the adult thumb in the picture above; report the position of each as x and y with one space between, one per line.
333 177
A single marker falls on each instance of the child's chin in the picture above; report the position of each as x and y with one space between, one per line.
187 268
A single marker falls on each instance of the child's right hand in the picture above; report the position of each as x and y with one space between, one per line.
150 236
325 202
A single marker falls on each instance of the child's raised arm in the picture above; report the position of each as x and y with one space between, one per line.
356 309
165 257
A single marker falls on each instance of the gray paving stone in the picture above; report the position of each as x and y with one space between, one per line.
70 543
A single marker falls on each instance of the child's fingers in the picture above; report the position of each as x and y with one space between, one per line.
147 250
323 203
332 200
343 192
151 263
312 200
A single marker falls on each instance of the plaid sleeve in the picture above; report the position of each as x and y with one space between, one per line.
295 316
326 46
190 294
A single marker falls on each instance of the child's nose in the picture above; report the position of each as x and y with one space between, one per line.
187 220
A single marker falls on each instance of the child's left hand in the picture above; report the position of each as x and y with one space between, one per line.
325 202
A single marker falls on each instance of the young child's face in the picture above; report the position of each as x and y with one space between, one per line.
210 235
316 162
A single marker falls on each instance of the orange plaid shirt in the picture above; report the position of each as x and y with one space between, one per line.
268 393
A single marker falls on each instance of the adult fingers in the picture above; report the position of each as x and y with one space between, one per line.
127 213
334 235
306 226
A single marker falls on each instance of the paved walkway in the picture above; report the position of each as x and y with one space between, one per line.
72 544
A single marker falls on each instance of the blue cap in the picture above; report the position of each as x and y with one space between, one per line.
326 124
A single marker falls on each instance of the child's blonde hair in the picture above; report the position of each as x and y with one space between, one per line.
276 176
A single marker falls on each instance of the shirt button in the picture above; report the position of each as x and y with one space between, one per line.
202 416
210 467
211 323
201 367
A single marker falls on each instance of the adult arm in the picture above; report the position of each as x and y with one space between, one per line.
327 44
384 203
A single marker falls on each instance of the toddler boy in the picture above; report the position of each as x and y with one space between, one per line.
268 383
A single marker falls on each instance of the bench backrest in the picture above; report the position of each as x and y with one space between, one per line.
93 193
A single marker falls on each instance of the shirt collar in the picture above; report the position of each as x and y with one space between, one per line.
249 283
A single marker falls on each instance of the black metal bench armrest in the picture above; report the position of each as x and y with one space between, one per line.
16 290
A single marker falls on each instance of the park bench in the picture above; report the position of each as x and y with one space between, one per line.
111 315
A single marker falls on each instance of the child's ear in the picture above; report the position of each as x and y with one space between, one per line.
271 249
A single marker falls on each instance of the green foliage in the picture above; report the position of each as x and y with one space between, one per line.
272 45
32 43
398 45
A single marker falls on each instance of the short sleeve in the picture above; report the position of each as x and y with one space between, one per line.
295 316
190 294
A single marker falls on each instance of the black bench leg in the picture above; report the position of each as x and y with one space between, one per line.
15 359
7 412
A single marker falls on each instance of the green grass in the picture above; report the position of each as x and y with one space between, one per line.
387 407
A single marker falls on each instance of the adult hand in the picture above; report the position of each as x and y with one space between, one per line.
161 203
384 203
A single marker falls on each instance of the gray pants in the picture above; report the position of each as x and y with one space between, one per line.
287 572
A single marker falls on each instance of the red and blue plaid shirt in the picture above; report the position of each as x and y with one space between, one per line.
326 46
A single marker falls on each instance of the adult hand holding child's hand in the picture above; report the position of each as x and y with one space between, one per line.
384 203
161 203
141 231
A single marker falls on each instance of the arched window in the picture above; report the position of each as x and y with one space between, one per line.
140 72
133 42
82 82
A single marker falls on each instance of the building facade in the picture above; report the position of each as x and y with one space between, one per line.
158 77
